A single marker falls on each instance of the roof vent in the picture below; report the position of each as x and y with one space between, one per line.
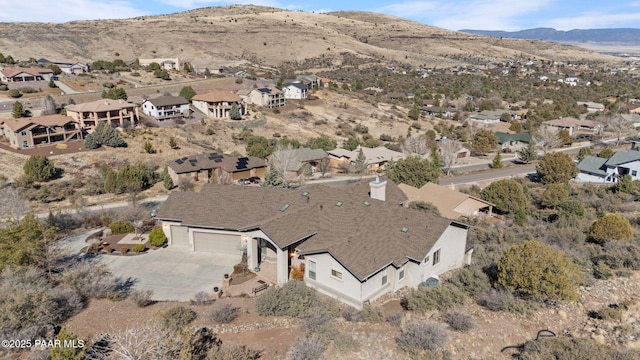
339 203
404 229
366 203
284 207
305 194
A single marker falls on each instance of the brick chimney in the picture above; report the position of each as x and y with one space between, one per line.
378 189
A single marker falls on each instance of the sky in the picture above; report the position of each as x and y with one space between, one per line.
509 15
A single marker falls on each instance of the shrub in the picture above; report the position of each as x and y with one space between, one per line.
139 248
458 321
201 298
508 195
317 317
352 314
4 87
233 352
177 317
532 268
90 142
502 300
471 280
14 93
116 296
441 298
224 312
121 227
124 250
308 348
372 314
610 227
417 337
297 272
141 298
67 352
157 237
395 318
39 168
293 299
89 280
572 349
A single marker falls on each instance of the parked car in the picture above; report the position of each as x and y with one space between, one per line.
244 182
254 180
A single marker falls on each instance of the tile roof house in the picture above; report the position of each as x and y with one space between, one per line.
356 242
295 90
40 130
452 204
377 157
218 103
166 107
574 126
602 170
19 74
215 167
267 97
118 113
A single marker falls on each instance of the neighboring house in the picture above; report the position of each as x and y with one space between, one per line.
451 204
603 170
40 130
74 68
267 97
591 106
19 74
376 157
443 113
633 106
491 116
513 142
356 243
312 81
118 113
214 167
632 118
165 63
396 95
299 161
218 103
295 90
574 126
166 107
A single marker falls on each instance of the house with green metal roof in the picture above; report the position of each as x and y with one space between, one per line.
602 170
513 142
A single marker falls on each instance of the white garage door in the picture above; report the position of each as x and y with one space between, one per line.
217 243
179 235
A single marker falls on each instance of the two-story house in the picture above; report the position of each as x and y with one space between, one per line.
166 107
602 170
267 97
295 90
40 130
118 113
218 103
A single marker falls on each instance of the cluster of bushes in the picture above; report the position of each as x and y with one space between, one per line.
121 227
116 93
128 178
294 299
442 298
104 134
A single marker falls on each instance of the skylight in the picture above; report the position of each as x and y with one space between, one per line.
339 203
366 203
306 193
404 229
284 207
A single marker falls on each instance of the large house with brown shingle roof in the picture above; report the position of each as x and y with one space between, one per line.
118 113
574 126
41 130
450 203
218 103
357 243
18 74
214 167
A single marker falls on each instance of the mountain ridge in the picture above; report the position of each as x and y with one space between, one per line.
629 36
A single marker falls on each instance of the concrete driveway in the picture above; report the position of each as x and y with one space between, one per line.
172 273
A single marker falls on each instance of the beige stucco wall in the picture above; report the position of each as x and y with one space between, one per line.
347 290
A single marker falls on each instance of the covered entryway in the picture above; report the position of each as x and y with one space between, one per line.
179 236
226 244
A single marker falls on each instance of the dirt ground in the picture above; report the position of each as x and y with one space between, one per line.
492 331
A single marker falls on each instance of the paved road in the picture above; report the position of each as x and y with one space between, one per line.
491 174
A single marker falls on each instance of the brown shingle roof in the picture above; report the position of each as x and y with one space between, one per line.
364 238
445 199
168 101
11 72
47 120
217 96
208 161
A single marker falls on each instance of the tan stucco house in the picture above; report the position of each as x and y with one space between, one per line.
218 103
376 158
215 167
267 97
19 74
117 113
41 130
357 243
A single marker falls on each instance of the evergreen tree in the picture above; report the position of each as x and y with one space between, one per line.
351 143
361 162
187 92
18 110
497 161
207 73
39 168
528 153
90 142
234 113
414 171
106 135
273 178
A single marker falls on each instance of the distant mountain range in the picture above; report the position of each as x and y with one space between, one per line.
609 36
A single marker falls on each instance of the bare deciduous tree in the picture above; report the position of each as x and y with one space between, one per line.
12 207
323 166
49 106
547 139
449 153
283 159
416 145
619 126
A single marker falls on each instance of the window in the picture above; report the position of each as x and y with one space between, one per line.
436 257
426 260
401 274
384 278
336 274
634 172
24 133
312 270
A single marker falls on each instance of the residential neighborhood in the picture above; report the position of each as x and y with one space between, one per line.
217 183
